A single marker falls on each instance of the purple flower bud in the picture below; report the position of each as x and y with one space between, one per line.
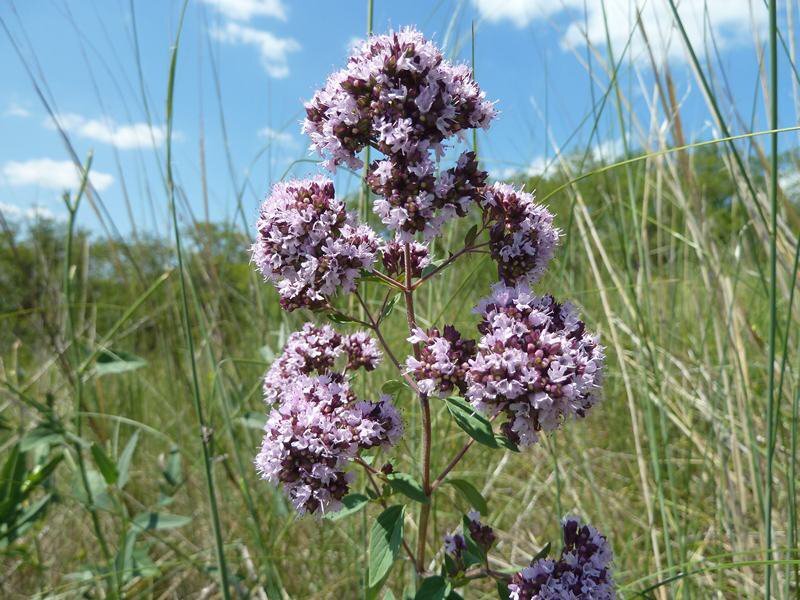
315 350
394 258
583 572
398 94
522 237
314 433
308 245
443 362
535 363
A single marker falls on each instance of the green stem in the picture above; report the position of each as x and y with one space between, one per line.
205 431
72 209
772 415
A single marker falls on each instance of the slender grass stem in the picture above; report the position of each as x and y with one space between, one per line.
72 211
206 433
772 406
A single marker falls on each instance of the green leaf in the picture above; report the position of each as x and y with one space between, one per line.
340 318
387 310
506 443
97 488
352 504
125 459
408 486
149 521
39 474
43 434
471 494
474 554
384 542
454 595
474 424
172 469
110 362
471 234
542 553
502 590
107 467
394 387
432 588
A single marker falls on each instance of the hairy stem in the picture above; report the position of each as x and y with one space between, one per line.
425 509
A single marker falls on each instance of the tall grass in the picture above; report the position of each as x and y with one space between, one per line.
689 466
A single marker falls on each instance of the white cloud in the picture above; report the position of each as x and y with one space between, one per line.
244 10
15 110
731 22
608 150
52 174
519 12
125 137
278 138
32 213
273 49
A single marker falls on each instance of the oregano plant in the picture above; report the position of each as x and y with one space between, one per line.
528 368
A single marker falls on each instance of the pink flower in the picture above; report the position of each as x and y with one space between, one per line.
308 245
523 238
536 363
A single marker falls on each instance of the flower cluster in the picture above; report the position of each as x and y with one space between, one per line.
583 572
314 433
483 535
535 362
393 256
457 549
308 245
314 350
522 237
443 360
397 94
414 200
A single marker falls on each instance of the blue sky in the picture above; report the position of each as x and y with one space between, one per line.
251 63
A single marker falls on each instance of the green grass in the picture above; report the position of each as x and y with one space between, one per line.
689 466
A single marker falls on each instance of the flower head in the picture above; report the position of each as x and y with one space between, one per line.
415 200
308 245
393 255
522 238
314 434
314 351
535 362
362 351
443 361
398 94
583 572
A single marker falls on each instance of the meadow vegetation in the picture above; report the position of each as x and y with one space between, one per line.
668 254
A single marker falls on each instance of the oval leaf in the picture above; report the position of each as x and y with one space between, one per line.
384 542
405 484
471 494
473 423
432 588
352 504
115 361
148 521
107 467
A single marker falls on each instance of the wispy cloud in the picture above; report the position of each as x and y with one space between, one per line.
244 10
16 110
106 131
52 174
731 21
273 49
31 213
279 138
